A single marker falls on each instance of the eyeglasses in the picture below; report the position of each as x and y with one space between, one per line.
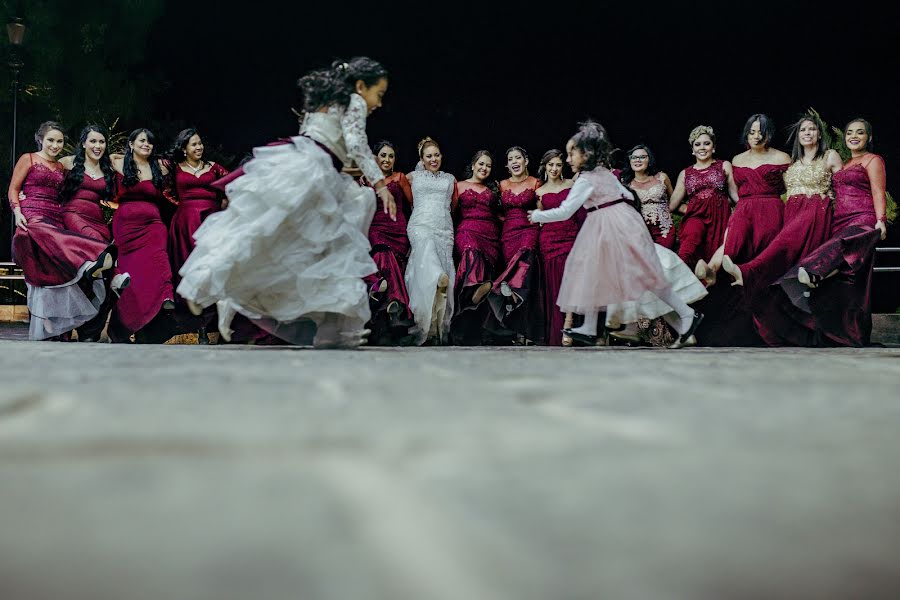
638 157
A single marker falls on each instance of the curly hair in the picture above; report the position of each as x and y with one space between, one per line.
593 142
334 85
176 155
699 130
75 176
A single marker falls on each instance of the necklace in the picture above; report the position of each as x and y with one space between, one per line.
196 169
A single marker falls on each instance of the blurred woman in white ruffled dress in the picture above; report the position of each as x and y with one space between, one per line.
430 270
292 247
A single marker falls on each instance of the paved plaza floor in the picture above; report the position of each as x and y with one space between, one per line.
218 473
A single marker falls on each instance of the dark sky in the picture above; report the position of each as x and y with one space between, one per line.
474 75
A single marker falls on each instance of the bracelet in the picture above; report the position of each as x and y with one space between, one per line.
882 218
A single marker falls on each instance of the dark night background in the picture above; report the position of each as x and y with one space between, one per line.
470 75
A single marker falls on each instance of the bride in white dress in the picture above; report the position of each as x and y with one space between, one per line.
292 247
430 269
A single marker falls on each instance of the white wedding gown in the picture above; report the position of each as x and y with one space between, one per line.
430 231
292 245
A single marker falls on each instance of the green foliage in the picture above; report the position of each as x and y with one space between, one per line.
834 139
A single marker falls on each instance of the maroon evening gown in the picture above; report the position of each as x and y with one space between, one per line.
521 313
142 238
753 226
839 310
555 242
197 199
390 250
83 214
48 253
477 246
704 223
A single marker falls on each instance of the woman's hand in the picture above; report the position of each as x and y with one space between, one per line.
387 199
21 221
882 227
530 215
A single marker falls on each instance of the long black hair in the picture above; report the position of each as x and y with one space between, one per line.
334 85
797 149
177 155
491 182
593 141
627 174
129 169
75 176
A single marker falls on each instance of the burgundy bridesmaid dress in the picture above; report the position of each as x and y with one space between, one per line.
49 254
839 310
142 238
477 248
390 249
555 242
521 313
197 198
83 214
759 215
704 223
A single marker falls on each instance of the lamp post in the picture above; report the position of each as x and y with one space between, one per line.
15 29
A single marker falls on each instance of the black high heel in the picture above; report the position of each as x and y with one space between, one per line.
687 339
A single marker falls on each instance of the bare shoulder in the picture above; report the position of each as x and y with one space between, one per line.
780 158
741 159
67 162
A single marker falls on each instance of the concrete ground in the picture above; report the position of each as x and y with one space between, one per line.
201 473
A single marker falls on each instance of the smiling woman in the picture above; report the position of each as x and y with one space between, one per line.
53 259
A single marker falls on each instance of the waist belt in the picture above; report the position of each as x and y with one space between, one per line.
608 204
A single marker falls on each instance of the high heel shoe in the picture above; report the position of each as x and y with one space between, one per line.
810 280
119 283
481 291
688 339
168 304
202 336
582 338
104 261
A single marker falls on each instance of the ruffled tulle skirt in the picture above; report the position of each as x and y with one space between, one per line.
682 280
291 247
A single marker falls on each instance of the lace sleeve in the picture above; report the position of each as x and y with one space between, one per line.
18 178
353 124
580 194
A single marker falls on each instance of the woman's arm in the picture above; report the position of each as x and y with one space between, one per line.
678 194
732 186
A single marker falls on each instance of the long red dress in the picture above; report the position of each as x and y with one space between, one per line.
48 253
477 255
83 214
704 223
54 260
390 250
142 238
839 310
759 214
519 314
555 242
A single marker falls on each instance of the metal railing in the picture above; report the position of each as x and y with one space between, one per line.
886 269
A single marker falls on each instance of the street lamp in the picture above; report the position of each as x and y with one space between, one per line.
15 28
